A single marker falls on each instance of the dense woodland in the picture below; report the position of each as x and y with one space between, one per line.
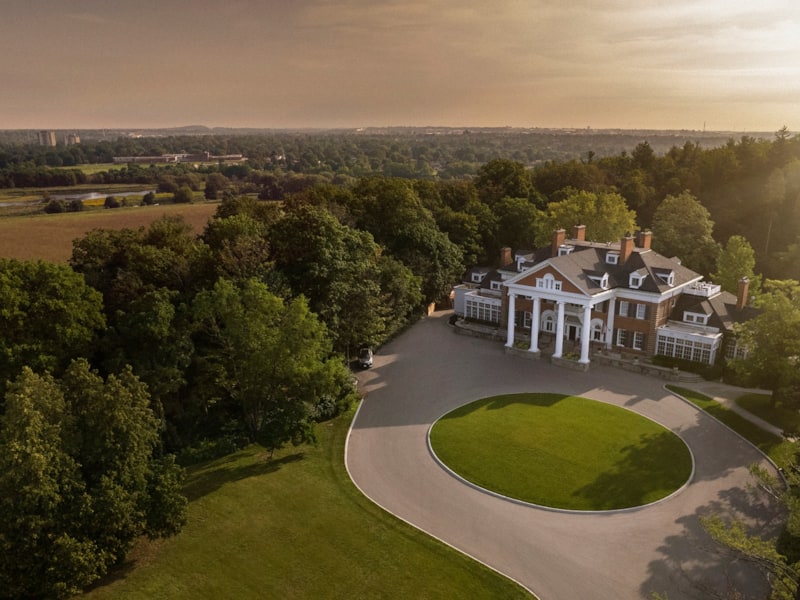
157 343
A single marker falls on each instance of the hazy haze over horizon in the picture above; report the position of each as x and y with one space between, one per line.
730 65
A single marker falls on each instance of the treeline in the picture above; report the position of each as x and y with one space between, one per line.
749 186
394 153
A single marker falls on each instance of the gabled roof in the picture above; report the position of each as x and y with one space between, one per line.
721 309
590 258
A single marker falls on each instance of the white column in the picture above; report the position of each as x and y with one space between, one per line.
535 318
586 333
511 308
559 331
612 307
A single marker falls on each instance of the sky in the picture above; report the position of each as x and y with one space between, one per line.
721 65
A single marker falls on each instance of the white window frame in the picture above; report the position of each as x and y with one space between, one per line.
596 329
548 282
477 277
638 340
695 318
527 318
635 281
612 258
641 311
621 337
496 285
668 278
624 304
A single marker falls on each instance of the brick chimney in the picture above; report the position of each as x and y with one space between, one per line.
559 235
505 256
643 239
742 293
625 248
579 232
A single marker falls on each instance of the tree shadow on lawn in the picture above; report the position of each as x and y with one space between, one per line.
640 477
230 469
506 400
693 565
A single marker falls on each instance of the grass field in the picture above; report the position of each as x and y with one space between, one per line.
769 444
49 237
295 527
562 451
761 406
91 169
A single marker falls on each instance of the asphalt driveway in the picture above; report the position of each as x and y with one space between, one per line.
430 370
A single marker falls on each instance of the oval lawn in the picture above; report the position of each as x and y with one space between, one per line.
562 451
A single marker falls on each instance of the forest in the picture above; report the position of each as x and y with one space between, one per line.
155 348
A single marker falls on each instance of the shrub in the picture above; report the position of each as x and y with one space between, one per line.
55 206
709 372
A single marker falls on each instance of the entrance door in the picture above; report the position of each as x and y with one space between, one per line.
572 333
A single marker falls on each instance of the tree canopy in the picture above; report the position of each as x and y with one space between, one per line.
77 465
682 227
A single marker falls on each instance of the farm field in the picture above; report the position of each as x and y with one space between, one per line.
49 237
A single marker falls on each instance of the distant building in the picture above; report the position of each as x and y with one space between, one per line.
204 157
71 139
47 138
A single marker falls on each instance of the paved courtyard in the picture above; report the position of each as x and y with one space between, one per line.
430 370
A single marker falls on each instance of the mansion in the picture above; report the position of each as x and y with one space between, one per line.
621 297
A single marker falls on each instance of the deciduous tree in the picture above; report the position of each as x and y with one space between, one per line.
605 214
682 227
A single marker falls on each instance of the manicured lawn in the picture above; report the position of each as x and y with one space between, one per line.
769 444
296 527
761 406
562 451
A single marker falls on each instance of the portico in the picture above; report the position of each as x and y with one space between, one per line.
579 309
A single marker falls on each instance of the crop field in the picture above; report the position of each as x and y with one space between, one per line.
49 237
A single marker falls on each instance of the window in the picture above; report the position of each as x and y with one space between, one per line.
477 277
668 278
635 280
482 311
638 340
624 306
622 337
735 350
601 280
564 250
694 350
641 311
495 285
548 322
597 331
612 258
548 282
697 318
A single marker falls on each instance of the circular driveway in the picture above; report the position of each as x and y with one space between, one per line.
662 548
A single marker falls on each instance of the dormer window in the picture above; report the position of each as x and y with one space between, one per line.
696 318
667 277
636 279
564 250
477 277
496 285
601 280
612 258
